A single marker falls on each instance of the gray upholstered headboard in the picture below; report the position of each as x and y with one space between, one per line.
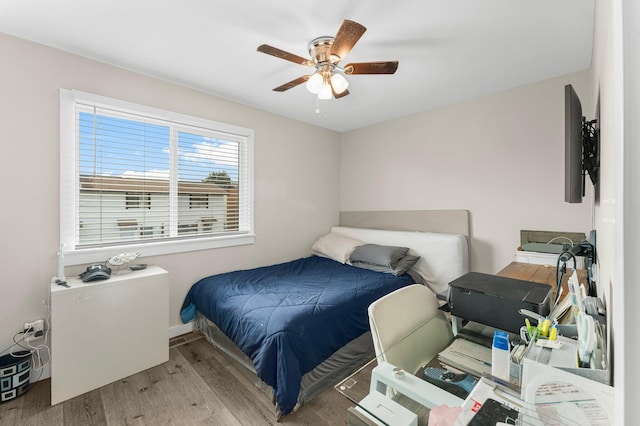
445 221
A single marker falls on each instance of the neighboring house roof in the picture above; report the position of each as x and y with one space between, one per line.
120 184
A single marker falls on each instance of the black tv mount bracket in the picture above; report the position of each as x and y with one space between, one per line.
590 151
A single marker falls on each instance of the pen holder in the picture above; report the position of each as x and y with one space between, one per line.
533 353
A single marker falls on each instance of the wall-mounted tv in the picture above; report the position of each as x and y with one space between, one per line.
581 148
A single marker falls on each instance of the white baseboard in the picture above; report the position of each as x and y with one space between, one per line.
177 330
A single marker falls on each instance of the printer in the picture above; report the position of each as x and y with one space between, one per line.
495 301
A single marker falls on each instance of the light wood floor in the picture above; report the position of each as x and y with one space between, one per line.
197 386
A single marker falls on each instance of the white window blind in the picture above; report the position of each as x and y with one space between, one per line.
143 176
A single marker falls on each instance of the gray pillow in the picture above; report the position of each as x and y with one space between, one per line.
402 266
378 255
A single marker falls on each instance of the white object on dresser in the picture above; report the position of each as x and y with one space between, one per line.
545 259
103 331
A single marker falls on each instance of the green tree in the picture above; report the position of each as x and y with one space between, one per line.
221 179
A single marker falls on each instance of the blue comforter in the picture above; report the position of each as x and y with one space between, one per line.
290 317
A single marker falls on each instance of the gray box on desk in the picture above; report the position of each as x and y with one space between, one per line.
495 301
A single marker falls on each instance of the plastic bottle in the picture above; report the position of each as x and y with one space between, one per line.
500 355
61 263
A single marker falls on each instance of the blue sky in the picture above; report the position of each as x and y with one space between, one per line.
127 148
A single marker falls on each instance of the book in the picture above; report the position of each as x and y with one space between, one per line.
467 356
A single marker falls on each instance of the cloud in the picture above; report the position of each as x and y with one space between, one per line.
203 157
221 154
150 174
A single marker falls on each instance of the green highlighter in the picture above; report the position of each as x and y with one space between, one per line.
530 329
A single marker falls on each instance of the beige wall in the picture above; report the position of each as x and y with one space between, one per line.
626 50
296 176
607 86
616 63
499 156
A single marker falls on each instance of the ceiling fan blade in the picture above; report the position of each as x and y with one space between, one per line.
347 36
292 83
279 53
339 95
387 67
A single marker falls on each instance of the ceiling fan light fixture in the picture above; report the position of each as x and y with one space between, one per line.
326 52
315 83
339 83
325 92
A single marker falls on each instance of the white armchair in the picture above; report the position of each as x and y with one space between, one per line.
407 327
408 331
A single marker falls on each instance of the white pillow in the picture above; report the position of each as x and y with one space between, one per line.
335 246
443 257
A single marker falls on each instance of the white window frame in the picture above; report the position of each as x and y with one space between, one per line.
68 184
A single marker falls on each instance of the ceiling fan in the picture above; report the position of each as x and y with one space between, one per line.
326 53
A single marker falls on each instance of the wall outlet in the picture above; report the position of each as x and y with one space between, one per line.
33 330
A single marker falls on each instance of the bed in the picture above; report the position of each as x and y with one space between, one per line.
299 327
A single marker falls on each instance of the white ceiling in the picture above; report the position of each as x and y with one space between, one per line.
449 50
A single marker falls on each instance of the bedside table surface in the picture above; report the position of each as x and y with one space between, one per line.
545 274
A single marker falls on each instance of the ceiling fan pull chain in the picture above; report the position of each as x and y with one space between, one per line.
322 107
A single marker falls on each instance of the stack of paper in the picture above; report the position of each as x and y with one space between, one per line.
468 357
553 396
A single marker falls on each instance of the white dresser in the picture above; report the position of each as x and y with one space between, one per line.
103 331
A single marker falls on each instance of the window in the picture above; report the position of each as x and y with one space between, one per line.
137 200
198 201
139 178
